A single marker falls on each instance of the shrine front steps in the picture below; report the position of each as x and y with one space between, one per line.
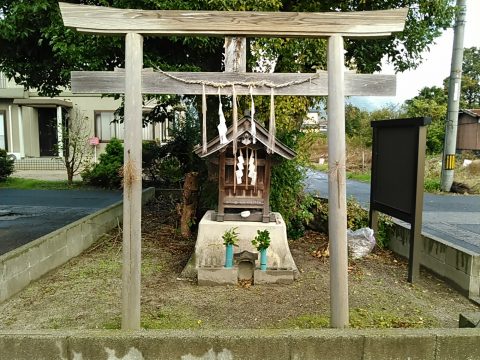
223 276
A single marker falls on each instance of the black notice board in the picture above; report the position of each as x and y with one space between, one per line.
398 159
395 159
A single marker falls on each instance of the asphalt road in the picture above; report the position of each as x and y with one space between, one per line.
26 215
452 218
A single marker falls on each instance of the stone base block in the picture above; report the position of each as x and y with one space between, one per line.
217 276
469 320
210 251
273 276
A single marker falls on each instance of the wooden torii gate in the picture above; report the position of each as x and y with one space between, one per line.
135 81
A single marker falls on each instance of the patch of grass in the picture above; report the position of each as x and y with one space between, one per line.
323 167
56 323
151 266
166 318
359 176
305 321
113 324
364 318
105 268
432 185
33 184
170 319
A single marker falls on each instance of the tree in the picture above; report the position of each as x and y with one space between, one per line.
435 93
471 77
431 102
75 146
470 88
39 52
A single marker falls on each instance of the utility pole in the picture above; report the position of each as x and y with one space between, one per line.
450 145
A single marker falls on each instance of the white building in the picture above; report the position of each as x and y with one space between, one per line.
30 125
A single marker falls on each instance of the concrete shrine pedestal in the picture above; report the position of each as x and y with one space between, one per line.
207 263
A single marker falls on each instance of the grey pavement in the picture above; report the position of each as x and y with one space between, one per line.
454 219
26 215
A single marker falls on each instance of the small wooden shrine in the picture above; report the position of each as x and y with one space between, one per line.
244 166
135 24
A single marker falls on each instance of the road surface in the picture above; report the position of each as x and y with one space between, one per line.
26 215
453 218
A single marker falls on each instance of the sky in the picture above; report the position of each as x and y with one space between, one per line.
434 68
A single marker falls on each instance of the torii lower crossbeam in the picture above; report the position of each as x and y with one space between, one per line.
314 84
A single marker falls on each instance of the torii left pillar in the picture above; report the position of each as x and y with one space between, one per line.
337 198
132 183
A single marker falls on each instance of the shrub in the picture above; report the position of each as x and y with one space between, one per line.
357 218
160 167
435 137
166 164
107 173
287 194
288 198
6 165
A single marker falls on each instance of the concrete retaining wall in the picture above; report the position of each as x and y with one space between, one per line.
29 262
460 267
454 344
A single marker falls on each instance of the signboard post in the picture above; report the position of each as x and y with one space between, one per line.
94 141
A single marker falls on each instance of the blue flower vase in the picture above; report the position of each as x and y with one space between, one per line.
263 259
229 256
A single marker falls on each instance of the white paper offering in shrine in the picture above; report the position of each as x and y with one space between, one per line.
222 126
252 171
254 178
240 158
239 174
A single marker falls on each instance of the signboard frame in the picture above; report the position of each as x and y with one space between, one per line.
398 162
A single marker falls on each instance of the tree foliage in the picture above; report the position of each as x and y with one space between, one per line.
357 122
7 165
39 52
470 87
471 78
434 107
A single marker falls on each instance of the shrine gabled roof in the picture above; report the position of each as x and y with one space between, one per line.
243 127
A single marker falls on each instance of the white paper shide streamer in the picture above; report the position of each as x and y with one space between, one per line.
239 172
252 170
222 125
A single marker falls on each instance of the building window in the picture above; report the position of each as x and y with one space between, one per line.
3 81
106 128
3 131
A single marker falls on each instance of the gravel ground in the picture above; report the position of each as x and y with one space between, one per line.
86 292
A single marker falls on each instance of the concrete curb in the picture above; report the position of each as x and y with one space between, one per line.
424 344
459 266
29 262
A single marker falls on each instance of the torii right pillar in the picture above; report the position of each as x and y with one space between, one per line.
337 194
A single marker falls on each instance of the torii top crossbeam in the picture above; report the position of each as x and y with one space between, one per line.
135 81
100 20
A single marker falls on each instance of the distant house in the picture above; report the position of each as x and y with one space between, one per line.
30 125
315 121
468 133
